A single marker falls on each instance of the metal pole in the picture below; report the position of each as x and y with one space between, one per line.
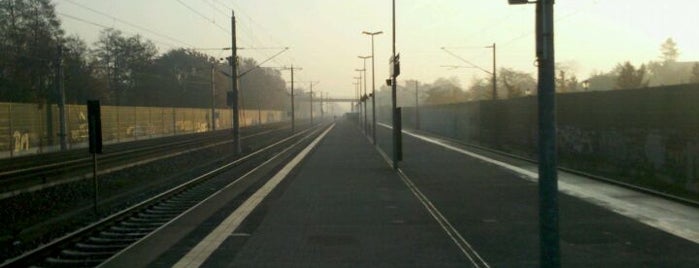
311 93
213 99
9 129
94 183
366 123
417 113
234 81
495 81
373 94
292 99
548 185
61 102
259 107
396 131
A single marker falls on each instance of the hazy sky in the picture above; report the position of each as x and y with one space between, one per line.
325 35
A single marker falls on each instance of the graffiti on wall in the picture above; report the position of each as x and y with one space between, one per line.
575 139
79 134
21 141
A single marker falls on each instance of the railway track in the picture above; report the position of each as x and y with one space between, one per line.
95 243
37 172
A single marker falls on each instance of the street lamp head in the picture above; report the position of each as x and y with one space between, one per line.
372 33
518 2
364 57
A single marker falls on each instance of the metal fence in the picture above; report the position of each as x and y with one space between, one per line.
30 128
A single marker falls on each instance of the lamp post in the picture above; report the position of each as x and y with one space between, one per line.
549 243
373 87
359 95
364 96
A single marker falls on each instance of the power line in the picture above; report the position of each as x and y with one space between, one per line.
83 20
215 8
262 28
222 4
558 19
105 26
204 17
130 24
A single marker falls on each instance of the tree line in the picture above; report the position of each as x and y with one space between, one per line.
512 83
118 69
665 71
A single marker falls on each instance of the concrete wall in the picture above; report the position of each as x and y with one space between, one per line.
648 137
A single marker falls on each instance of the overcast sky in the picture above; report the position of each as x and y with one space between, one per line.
325 36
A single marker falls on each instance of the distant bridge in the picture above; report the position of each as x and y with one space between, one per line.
340 100
315 99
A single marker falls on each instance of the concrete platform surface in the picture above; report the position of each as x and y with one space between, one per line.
344 206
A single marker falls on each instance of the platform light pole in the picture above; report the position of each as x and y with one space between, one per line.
359 96
364 96
373 87
549 243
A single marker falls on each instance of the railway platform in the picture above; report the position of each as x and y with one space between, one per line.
343 205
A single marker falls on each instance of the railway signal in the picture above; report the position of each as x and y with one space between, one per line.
94 120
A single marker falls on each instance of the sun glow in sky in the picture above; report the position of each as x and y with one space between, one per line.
325 36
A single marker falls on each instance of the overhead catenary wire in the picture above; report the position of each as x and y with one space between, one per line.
205 17
254 43
271 38
557 19
130 24
215 8
107 27
508 42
